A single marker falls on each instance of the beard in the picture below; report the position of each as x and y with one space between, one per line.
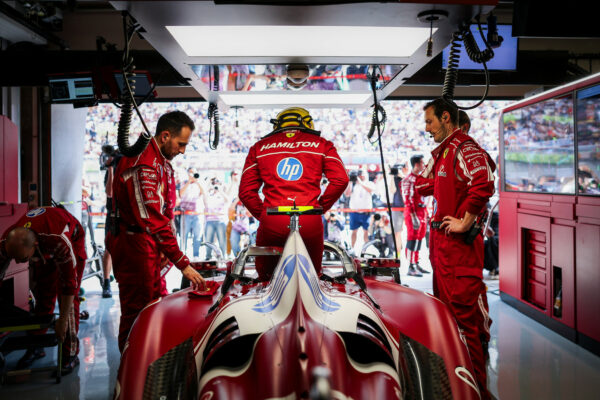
440 135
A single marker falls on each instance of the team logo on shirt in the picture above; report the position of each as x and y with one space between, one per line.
446 152
290 169
35 212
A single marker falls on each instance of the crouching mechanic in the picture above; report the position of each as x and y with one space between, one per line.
460 178
289 164
144 196
53 242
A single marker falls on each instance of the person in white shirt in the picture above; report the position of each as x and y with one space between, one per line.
217 205
360 191
191 193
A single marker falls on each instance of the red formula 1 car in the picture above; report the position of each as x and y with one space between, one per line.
355 335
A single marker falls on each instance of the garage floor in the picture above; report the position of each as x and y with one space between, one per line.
527 360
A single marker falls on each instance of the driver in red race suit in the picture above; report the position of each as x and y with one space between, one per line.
53 242
289 164
460 178
143 191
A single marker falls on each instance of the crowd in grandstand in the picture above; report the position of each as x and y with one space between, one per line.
404 135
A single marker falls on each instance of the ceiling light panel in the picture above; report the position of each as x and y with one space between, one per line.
308 99
298 41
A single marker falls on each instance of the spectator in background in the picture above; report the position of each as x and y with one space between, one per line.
111 160
191 193
239 226
380 229
398 171
490 246
335 227
216 216
360 191
464 122
232 190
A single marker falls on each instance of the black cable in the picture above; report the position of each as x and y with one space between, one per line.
374 77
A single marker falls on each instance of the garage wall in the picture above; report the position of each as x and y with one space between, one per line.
68 135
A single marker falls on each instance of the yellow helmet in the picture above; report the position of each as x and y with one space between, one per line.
293 116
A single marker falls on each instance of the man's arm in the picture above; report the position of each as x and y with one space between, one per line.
144 188
335 172
471 166
425 181
250 183
367 185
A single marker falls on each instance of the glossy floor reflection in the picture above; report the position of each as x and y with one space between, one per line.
527 361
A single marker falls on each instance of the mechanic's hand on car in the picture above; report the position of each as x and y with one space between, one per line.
194 277
60 328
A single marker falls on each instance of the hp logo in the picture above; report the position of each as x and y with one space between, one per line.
289 169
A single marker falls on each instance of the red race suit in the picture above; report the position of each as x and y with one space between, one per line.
460 177
144 195
56 266
415 209
290 165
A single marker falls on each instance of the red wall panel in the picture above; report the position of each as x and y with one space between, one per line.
9 161
533 260
507 254
563 257
587 279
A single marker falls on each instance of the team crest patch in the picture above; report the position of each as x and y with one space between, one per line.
290 134
35 212
290 169
446 152
27 224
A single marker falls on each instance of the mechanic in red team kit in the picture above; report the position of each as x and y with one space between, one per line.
460 178
143 191
290 162
53 242
415 216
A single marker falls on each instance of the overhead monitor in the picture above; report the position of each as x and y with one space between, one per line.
141 84
71 89
505 56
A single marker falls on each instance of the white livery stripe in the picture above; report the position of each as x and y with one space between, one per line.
291 152
253 165
336 159
486 316
139 199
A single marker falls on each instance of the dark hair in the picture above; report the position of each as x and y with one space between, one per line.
173 122
440 105
463 118
414 160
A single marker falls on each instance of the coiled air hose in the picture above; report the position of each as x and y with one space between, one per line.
213 113
377 111
476 55
129 102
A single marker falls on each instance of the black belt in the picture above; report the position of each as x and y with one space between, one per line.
436 224
134 229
